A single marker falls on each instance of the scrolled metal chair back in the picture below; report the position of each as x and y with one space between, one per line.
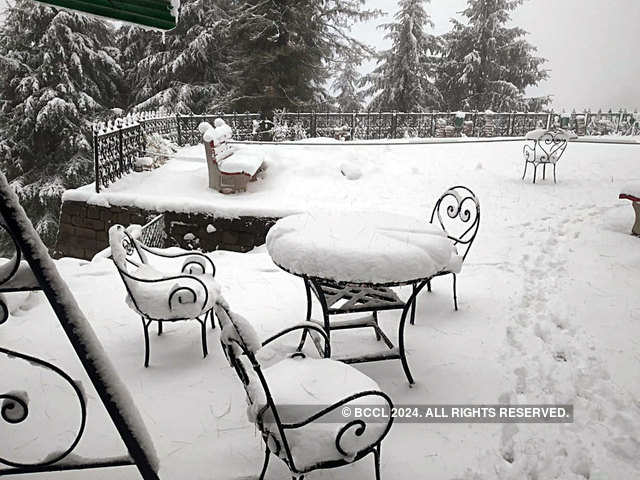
551 145
124 248
458 213
234 346
10 268
240 346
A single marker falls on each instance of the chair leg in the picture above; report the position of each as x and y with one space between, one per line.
429 285
455 294
413 306
159 328
554 173
544 171
267 454
525 169
145 326
376 461
212 317
535 172
203 329
303 339
376 328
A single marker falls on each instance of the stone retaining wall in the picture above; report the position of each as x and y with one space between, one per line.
84 227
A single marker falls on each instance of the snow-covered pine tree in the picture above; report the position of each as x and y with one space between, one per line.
404 77
183 70
58 71
285 50
485 64
349 97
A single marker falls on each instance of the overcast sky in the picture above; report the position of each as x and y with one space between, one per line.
592 46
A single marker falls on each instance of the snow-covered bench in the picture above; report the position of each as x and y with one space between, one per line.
547 148
229 170
631 192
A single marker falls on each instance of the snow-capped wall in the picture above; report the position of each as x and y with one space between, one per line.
83 229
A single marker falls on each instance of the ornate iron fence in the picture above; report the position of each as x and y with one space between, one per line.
153 233
117 144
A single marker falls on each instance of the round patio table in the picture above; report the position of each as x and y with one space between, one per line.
350 261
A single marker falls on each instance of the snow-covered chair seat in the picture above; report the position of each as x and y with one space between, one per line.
158 296
229 170
297 402
631 191
547 147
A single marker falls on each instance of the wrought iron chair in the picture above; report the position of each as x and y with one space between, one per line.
298 403
547 148
458 213
159 297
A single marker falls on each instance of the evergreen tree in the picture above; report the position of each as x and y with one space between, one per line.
59 71
349 97
404 78
183 70
286 50
485 64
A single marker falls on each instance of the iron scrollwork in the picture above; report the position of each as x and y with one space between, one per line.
14 410
30 269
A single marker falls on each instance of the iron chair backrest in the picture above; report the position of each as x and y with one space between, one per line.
458 212
551 145
125 250
240 345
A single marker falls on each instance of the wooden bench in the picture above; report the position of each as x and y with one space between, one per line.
229 171
632 193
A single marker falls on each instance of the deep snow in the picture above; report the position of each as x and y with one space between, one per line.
549 312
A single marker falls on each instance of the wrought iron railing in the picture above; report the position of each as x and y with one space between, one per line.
118 143
153 233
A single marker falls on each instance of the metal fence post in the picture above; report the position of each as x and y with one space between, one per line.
178 130
353 125
313 124
394 124
95 158
120 155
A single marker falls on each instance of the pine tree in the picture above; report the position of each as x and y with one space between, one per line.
404 77
183 70
285 51
59 71
349 97
485 64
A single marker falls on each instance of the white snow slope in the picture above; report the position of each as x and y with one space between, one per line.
549 313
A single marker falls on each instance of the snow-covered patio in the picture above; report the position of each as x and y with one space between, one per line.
394 177
549 311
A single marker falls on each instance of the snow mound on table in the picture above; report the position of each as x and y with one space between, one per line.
363 247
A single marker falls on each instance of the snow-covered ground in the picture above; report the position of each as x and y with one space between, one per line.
549 313
373 175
